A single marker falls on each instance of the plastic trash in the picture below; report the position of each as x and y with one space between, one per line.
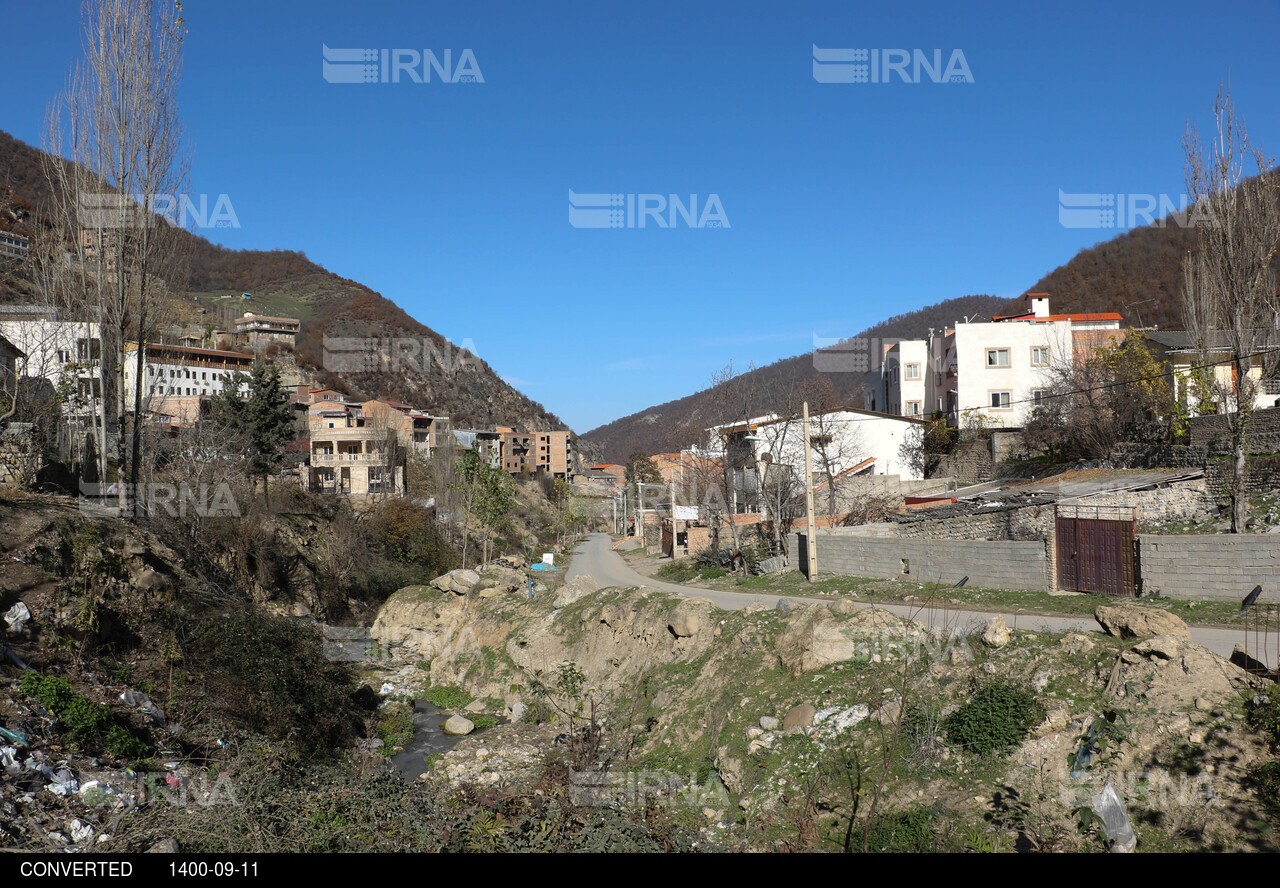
8 654
14 737
1115 820
142 702
387 687
17 617
63 783
9 760
80 832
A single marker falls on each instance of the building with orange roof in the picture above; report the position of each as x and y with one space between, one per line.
996 372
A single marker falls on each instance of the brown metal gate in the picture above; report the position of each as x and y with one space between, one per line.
1095 549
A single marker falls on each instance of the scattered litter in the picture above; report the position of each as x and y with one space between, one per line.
9 760
1115 820
64 783
14 737
17 617
173 780
8 654
80 832
387 687
141 701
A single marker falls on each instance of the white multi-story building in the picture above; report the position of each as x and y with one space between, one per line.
66 353
993 372
176 379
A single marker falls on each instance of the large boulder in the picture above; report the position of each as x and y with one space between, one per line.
1136 621
459 582
578 588
815 637
997 633
689 616
799 717
459 726
504 579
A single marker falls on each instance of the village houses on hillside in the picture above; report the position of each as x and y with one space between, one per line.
357 449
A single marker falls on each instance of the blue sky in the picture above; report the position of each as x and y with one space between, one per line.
845 202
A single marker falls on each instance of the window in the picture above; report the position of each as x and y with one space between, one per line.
1040 356
1000 400
997 357
1038 396
64 356
911 371
913 408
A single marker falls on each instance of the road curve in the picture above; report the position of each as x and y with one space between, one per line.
594 558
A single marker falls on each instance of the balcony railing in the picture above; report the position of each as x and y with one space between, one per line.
346 459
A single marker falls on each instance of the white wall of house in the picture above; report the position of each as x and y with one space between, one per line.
1001 366
52 347
856 437
165 379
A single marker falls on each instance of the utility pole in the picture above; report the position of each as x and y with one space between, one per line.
811 548
640 513
673 519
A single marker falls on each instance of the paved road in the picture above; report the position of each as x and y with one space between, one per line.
594 558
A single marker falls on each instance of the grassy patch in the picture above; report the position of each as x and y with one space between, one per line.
448 697
395 725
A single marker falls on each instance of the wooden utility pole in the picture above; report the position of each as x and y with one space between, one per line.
811 547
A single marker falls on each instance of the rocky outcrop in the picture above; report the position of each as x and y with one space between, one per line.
575 590
816 637
1135 621
460 581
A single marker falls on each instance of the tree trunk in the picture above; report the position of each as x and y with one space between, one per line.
1239 493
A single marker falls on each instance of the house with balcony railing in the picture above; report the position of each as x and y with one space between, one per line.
350 456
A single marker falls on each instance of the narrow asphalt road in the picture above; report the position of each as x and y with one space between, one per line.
594 558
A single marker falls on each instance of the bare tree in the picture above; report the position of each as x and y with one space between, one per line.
1230 303
117 124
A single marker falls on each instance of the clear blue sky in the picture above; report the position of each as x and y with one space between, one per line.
846 202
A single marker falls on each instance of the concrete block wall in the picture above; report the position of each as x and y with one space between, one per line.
1222 567
989 564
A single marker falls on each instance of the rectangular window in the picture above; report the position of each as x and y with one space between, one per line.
1000 400
1038 396
1040 356
997 357
913 408
911 371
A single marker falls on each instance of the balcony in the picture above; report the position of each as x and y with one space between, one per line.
348 459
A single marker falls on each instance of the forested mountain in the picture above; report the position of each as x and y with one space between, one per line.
287 282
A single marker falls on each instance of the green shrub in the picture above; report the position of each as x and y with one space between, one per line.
448 697
85 720
395 725
907 832
995 718
712 573
123 745
269 674
484 721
